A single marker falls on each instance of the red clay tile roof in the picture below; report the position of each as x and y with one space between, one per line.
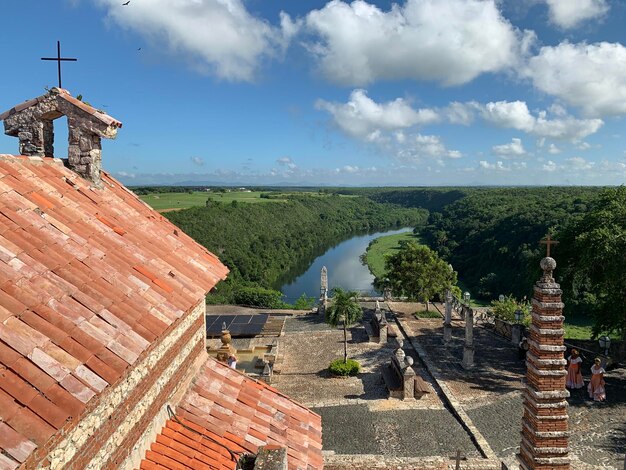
225 409
89 278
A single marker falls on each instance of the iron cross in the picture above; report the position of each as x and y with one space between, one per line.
548 242
58 58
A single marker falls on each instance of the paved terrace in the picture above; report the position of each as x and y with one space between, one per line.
357 417
490 393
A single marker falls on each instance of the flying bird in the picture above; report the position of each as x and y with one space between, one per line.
126 3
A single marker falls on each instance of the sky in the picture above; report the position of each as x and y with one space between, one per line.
363 93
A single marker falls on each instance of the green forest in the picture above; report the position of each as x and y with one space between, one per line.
491 237
260 243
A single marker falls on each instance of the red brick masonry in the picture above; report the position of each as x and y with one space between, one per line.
544 444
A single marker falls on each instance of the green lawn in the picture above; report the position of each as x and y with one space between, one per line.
578 328
163 201
386 245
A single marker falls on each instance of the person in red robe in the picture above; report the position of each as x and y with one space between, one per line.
574 374
596 385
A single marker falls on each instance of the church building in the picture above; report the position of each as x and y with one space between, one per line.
103 361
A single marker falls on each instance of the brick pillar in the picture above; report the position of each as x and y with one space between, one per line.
545 434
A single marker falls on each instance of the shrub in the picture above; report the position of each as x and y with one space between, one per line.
344 369
427 314
304 302
258 297
505 309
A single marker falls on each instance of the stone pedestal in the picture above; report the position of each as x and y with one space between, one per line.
545 434
382 328
447 322
409 381
226 349
468 348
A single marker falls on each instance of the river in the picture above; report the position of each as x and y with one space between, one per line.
344 269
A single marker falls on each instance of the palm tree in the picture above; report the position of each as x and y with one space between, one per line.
343 309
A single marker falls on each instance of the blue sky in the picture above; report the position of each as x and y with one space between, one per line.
418 92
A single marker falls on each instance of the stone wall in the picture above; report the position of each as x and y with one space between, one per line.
108 431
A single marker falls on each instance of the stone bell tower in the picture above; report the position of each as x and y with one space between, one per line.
32 123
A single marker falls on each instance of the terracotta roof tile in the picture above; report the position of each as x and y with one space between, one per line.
224 410
15 444
8 406
31 426
74 313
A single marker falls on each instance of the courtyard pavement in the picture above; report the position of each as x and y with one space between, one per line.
490 393
357 416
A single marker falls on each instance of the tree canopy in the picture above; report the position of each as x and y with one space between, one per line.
417 272
594 252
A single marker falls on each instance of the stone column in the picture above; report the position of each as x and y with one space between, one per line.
408 377
545 435
323 290
382 328
447 322
468 348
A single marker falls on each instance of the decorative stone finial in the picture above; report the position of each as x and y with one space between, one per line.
400 355
548 265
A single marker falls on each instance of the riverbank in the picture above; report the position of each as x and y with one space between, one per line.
387 245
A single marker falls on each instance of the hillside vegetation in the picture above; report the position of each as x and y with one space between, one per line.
261 242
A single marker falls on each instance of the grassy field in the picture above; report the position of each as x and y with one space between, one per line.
578 328
164 201
387 245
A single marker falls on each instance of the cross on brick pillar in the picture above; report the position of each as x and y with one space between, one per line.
545 434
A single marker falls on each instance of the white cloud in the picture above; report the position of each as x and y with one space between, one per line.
220 36
589 76
512 149
460 113
516 115
287 161
510 114
554 150
362 117
578 164
583 146
499 165
451 41
197 161
549 166
570 13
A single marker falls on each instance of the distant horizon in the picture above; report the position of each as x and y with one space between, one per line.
297 186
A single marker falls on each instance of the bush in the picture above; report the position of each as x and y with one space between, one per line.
427 314
304 303
505 310
258 297
350 368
